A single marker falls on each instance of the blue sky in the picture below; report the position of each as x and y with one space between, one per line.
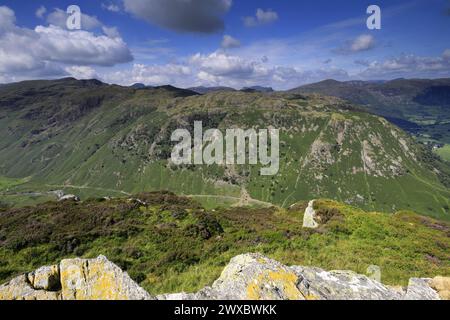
235 43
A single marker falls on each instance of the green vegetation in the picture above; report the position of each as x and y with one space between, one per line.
6 183
444 152
171 244
95 140
419 106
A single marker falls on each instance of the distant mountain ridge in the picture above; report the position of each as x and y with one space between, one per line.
257 89
421 104
204 90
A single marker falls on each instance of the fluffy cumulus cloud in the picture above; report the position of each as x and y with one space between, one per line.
361 43
261 18
80 47
203 16
7 18
47 51
220 68
225 69
228 42
153 75
220 64
82 72
408 66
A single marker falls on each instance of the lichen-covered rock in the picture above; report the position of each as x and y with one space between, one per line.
255 277
75 279
420 289
45 278
20 288
247 277
442 286
341 285
97 279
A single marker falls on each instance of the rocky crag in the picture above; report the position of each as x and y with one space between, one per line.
247 277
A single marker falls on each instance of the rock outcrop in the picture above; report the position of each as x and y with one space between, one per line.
75 279
309 217
69 197
255 277
247 277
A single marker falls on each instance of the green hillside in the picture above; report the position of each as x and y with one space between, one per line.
92 139
420 106
163 240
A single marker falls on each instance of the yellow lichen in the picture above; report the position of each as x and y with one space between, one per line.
281 279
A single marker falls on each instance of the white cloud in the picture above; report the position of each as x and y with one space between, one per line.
223 65
79 47
361 43
220 68
408 66
42 52
153 75
82 72
446 54
204 16
7 18
261 18
111 7
228 42
111 32
40 12
59 18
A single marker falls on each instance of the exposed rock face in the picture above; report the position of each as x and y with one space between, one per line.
253 276
341 285
420 289
250 277
247 277
97 279
69 197
442 286
309 217
75 279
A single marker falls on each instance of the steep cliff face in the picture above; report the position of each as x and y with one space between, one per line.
247 277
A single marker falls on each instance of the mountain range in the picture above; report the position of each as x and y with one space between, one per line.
419 106
93 139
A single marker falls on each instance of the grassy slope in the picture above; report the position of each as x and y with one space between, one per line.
105 149
412 100
444 152
172 244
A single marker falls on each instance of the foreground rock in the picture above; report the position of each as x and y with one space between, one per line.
255 277
247 277
75 279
